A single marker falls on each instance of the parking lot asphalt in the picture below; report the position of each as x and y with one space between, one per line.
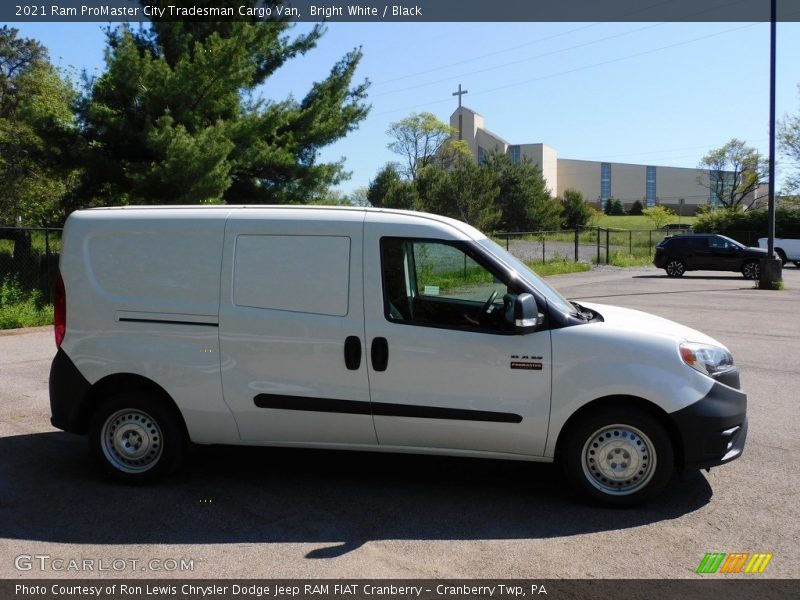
269 513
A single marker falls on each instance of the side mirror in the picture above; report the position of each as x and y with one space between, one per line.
526 314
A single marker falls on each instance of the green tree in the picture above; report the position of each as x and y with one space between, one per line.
658 215
575 211
467 192
390 190
359 196
524 200
177 117
614 207
418 138
37 133
789 144
735 171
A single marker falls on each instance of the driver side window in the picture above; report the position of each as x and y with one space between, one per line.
440 284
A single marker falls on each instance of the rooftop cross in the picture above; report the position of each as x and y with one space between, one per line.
459 93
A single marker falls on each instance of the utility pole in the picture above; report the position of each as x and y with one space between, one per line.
770 271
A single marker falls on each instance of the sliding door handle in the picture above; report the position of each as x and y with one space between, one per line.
380 353
352 352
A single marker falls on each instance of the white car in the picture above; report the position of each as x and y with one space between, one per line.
367 329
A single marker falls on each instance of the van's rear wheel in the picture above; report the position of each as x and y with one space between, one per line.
619 456
136 438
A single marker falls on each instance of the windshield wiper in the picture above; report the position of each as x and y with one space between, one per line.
583 313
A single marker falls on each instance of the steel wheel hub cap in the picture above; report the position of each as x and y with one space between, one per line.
131 441
618 460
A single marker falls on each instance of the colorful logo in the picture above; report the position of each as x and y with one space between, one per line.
737 562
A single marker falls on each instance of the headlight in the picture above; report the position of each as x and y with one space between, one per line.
709 360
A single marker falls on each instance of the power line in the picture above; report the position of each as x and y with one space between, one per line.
516 62
482 56
578 69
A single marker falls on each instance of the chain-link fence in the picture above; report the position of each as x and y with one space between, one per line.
590 245
29 258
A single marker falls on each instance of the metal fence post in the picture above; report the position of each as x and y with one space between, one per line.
630 242
576 245
507 236
598 245
47 264
607 257
544 247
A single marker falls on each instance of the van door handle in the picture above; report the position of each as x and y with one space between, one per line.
380 353
352 352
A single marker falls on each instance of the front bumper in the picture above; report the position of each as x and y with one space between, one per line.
713 429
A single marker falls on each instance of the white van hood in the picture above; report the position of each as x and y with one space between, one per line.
637 321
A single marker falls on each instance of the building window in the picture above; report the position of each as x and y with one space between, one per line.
515 156
721 185
605 184
651 187
713 183
482 156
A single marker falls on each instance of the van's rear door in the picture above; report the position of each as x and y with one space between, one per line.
292 327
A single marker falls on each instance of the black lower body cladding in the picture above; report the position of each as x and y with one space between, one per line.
713 429
68 388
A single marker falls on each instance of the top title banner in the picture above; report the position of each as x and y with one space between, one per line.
398 10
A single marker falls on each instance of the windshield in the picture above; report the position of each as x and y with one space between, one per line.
553 297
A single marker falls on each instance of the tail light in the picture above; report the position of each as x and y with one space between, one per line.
60 311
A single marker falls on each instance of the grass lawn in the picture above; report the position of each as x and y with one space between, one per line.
640 222
557 267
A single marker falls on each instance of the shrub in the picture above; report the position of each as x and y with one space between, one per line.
658 215
575 211
636 208
20 308
787 222
614 207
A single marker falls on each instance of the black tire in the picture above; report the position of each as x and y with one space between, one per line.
751 269
136 438
782 255
675 267
617 456
797 264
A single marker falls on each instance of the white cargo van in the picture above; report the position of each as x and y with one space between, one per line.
367 329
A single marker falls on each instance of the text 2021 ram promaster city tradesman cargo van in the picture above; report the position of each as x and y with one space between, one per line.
366 329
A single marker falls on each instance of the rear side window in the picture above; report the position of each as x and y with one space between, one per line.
718 242
297 273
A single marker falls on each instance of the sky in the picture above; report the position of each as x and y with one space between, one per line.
644 93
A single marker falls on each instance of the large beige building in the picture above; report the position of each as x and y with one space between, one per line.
677 188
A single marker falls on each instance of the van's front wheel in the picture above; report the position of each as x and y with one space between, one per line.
136 438
618 456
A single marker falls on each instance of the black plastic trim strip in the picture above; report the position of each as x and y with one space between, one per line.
347 407
167 322
381 409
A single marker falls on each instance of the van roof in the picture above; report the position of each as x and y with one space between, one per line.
464 228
